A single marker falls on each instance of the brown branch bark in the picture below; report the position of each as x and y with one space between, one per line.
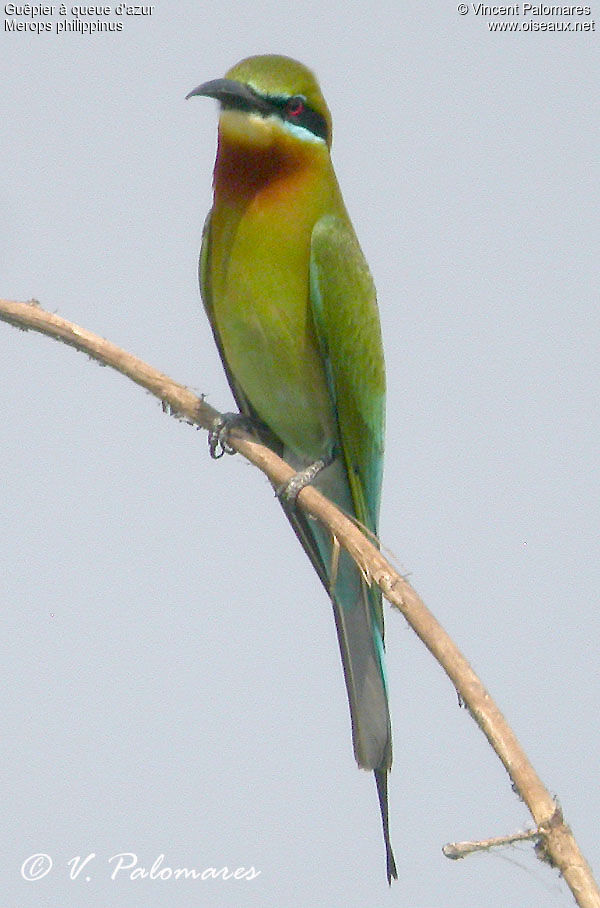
557 845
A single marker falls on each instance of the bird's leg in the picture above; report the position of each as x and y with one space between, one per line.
289 491
218 436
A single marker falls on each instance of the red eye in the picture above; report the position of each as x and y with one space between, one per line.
295 106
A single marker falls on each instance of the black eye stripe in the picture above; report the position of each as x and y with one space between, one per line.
306 117
295 105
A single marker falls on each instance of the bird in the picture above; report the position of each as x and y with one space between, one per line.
293 311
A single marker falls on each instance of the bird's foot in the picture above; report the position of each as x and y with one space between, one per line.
218 436
289 491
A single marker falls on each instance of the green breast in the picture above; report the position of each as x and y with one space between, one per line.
259 268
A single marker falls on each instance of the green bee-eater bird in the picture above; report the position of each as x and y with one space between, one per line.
293 311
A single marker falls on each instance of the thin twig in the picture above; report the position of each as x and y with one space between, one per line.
457 850
557 846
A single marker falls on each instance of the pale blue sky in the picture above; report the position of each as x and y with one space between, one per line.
172 682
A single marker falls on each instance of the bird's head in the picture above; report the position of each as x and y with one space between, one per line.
268 101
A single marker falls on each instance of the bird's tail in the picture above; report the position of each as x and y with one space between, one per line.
360 638
382 793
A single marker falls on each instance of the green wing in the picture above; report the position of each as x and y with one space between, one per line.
346 318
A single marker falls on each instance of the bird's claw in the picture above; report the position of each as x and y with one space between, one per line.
218 436
289 491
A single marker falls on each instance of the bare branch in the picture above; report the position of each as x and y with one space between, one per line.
557 845
457 850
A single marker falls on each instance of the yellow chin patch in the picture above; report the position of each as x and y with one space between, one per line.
248 128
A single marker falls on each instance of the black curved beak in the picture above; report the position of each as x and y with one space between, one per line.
231 94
